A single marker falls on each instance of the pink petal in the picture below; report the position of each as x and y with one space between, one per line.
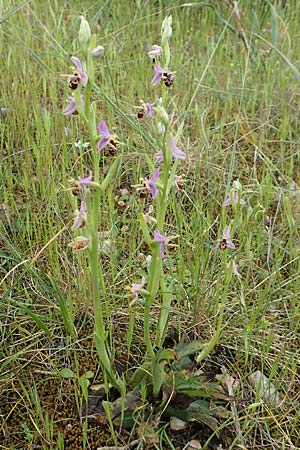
102 143
102 128
77 63
177 153
70 108
159 156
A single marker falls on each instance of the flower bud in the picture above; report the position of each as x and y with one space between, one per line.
162 114
98 52
84 32
166 28
237 185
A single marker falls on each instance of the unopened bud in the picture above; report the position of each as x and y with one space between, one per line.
166 28
98 52
84 31
237 185
162 114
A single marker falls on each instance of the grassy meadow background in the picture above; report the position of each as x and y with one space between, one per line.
237 88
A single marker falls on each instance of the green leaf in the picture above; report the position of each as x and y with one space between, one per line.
112 174
197 411
162 326
67 373
141 375
190 349
158 377
129 402
89 374
145 230
167 354
65 311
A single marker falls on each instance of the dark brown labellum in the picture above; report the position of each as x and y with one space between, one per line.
223 244
74 81
140 113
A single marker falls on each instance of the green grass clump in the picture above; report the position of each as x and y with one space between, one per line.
236 88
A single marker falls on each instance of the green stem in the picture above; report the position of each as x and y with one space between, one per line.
153 283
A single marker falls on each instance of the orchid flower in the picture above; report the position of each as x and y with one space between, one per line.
71 106
235 198
162 240
176 152
135 289
149 112
226 240
156 51
102 128
82 75
83 182
151 183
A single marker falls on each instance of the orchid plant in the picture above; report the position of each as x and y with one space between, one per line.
91 190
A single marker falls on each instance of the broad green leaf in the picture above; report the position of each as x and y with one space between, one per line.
67 373
189 349
158 377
